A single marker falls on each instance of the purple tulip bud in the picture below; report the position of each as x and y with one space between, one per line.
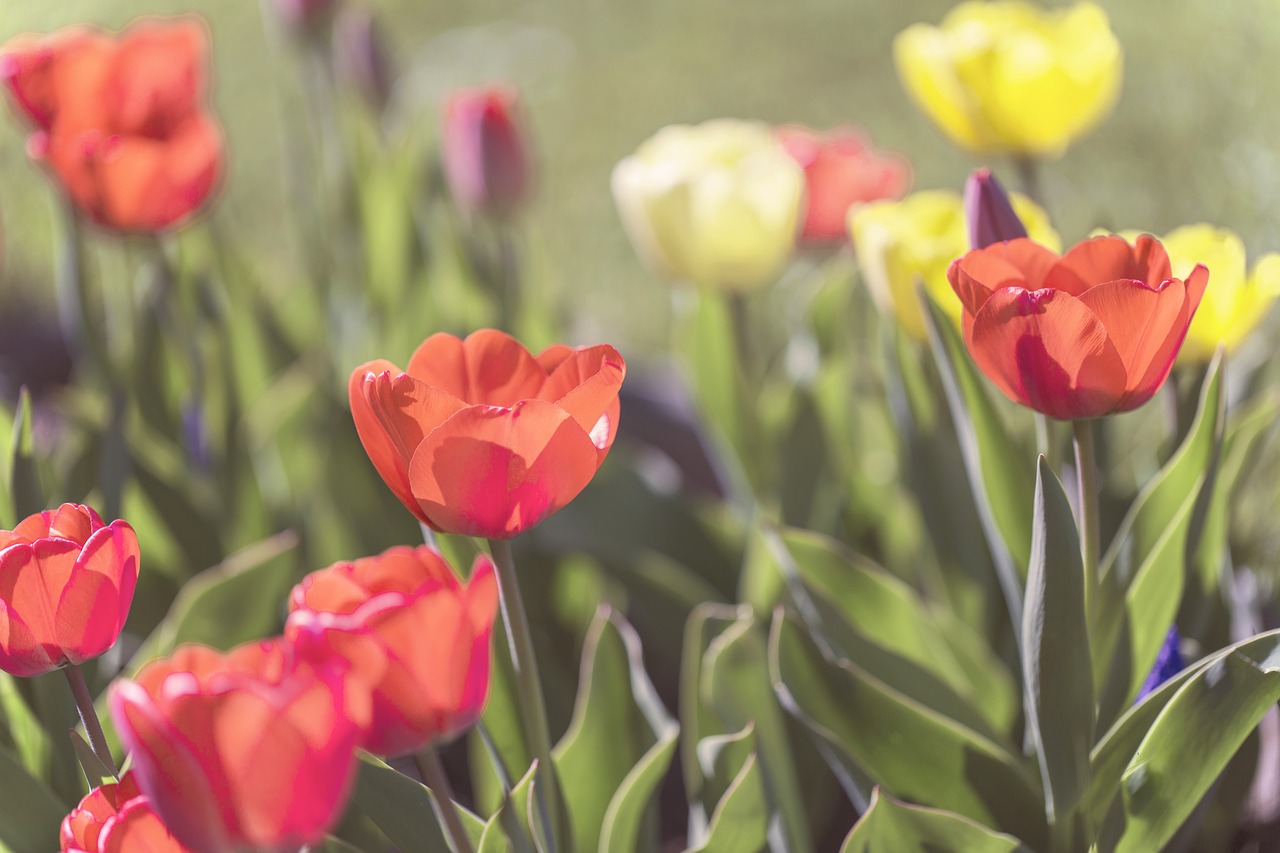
1168 664
987 211
360 56
485 152
304 16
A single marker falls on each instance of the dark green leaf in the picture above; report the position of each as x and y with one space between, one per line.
29 812
740 823
892 826
404 809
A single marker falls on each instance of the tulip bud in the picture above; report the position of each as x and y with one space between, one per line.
360 56
1168 664
485 152
304 16
988 212
117 817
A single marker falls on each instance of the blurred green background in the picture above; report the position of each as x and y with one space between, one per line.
1192 139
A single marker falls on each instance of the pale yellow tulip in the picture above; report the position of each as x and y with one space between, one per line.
901 242
1010 77
716 204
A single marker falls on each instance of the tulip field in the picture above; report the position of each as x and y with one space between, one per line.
444 428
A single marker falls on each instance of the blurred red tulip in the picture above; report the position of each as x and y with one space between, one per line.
481 438
1093 332
248 749
485 151
841 169
66 583
117 818
412 632
121 119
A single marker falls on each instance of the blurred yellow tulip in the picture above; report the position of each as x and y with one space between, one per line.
716 204
901 242
1234 303
1010 77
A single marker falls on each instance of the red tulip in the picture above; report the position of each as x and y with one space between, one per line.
66 583
481 438
841 169
117 818
412 632
249 749
1093 332
485 152
121 119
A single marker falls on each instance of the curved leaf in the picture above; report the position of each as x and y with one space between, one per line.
891 825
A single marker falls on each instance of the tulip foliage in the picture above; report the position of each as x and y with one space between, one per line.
927 528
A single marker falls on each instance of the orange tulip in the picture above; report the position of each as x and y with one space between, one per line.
1093 332
412 632
841 169
117 818
481 438
250 749
121 119
66 583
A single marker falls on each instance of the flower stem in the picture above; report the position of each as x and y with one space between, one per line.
89 717
1086 475
533 708
1028 169
428 761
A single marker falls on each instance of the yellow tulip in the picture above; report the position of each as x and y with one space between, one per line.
1234 303
716 204
1010 77
901 242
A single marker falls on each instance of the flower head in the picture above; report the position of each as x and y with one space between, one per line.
117 818
1009 77
249 749
717 204
121 119
1093 332
416 635
486 151
481 438
66 583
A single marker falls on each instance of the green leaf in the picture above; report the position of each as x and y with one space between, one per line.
30 813
507 831
740 823
1055 650
890 825
1142 575
404 809
25 492
95 772
1002 488
893 738
26 731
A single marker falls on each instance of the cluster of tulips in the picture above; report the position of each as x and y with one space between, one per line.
256 748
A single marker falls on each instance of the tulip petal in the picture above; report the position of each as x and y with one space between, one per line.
586 386
1021 263
158 76
22 653
1109 258
493 472
113 553
137 829
88 618
488 368
1046 350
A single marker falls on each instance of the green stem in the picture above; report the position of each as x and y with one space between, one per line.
533 708
1086 475
1028 169
89 717
428 761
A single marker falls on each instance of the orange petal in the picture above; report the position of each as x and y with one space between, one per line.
158 79
1047 351
1109 258
138 829
22 653
585 385
488 368
494 472
1146 326
1017 263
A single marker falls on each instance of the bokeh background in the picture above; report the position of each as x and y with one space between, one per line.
1194 137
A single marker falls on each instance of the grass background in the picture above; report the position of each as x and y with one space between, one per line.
1193 137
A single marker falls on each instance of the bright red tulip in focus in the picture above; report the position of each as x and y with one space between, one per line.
841 169
1093 332
252 749
416 635
117 818
486 154
121 119
66 583
481 438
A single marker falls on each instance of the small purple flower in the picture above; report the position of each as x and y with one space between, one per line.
988 211
1168 664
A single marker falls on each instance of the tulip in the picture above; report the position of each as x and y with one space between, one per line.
249 749
1239 298
1168 662
121 119
412 632
1090 333
485 151
117 818
841 169
66 583
717 204
304 16
1010 77
988 211
479 437
360 56
902 243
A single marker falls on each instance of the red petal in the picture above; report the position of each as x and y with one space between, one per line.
488 368
1109 258
585 385
1146 326
981 272
139 829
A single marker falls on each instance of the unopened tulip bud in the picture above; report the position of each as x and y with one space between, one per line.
485 153
988 212
360 56
306 15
